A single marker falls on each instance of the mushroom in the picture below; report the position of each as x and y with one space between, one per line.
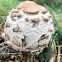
31 36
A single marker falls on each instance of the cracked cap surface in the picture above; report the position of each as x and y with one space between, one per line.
31 7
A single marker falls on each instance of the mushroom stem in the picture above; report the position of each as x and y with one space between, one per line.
25 56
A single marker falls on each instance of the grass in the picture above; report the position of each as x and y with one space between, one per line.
6 6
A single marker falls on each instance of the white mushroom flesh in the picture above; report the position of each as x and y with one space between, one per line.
28 31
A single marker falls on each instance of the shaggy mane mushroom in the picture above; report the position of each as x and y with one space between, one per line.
28 27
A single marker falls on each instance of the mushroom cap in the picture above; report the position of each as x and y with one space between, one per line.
31 7
28 27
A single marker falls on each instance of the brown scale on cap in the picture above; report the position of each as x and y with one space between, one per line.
45 36
35 20
50 30
13 15
15 11
17 15
24 41
45 18
27 19
16 29
8 24
42 9
14 18
49 16
31 7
